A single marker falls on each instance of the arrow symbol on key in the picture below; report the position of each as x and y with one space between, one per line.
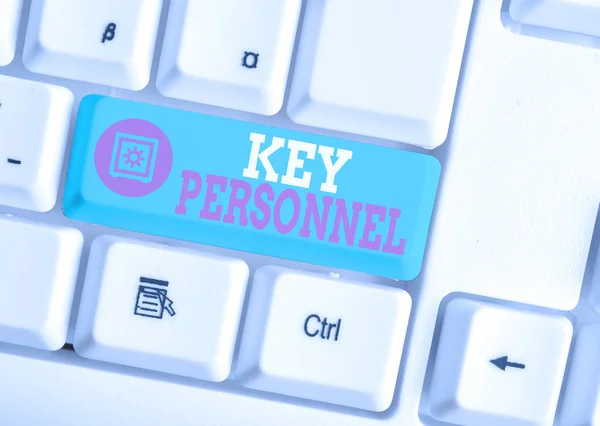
503 362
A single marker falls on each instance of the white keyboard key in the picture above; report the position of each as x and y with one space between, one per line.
577 16
10 14
38 272
155 307
105 42
229 53
382 68
323 339
581 405
498 366
595 288
40 388
34 125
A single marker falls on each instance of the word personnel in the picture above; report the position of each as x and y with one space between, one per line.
287 211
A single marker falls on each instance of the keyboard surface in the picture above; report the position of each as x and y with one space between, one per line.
299 212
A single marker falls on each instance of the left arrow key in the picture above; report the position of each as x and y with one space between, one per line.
473 386
502 363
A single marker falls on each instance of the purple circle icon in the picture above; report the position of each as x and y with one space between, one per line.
133 157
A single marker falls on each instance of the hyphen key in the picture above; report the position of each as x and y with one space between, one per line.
250 187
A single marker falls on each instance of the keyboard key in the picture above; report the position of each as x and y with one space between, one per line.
10 14
34 125
66 388
159 308
37 278
497 365
577 16
581 404
383 68
110 43
250 187
233 54
595 288
323 339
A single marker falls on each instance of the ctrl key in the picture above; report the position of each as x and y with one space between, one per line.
325 339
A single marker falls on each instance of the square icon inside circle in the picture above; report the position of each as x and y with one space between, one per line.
133 157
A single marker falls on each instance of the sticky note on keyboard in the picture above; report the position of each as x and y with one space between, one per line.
250 187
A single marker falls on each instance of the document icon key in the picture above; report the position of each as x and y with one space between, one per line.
151 300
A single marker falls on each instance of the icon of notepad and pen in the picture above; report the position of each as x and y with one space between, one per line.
133 157
152 300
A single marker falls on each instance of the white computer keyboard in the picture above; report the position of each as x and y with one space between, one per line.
217 212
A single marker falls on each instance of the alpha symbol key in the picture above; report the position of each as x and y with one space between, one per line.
250 60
